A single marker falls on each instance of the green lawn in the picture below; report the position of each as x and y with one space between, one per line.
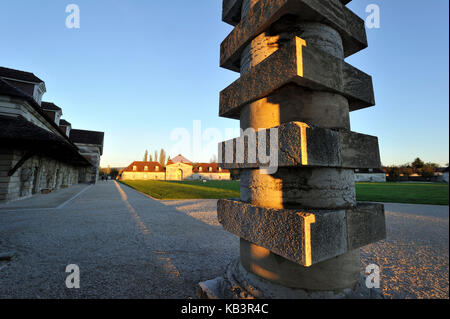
409 193
412 193
187 189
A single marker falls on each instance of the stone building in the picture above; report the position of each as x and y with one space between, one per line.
143 171
177 169
373 175
211 171
90 144
37 154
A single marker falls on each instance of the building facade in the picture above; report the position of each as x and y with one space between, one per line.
370 175
177 169
143 171
37 153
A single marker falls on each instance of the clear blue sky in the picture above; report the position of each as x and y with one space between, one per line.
139 69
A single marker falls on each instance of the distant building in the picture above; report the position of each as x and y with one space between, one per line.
90 144
37 151
210 171
143 171
177 169
370 175
442 174
445 175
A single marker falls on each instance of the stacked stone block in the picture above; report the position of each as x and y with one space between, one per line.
300 226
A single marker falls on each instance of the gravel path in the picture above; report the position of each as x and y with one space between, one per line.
126 245
130 246
414 259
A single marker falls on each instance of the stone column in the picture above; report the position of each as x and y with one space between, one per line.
300 227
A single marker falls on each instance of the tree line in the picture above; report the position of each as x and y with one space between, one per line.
419 167
161 159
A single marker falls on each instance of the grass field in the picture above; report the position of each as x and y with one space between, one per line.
187 189
410 193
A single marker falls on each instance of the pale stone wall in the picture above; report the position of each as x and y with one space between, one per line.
38 174
7 157
367 177
146 176
211 176
173 172
93 153
173 176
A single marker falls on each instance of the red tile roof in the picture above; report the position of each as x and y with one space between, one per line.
140 167
205 168
180 159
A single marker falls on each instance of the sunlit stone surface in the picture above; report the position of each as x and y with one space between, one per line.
300 225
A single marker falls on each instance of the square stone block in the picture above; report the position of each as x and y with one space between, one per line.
304 66
266 12
365 225
231 11
300 144
303 236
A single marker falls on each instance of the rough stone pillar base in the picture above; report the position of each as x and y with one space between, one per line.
240 284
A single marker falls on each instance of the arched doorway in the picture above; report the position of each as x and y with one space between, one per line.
180 174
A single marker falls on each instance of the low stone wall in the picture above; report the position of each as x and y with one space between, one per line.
149 176
37 175
367 177
211 176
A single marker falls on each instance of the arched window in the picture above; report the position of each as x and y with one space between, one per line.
210 169
157 168
200 169
146 168
135 168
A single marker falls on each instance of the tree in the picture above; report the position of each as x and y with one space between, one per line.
394 173
156 156
405 170
146 156
162 157
428 170
417 164
114 173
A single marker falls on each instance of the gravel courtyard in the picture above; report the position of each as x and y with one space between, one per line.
130 246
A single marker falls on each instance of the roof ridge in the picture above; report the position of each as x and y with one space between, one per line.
31 77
